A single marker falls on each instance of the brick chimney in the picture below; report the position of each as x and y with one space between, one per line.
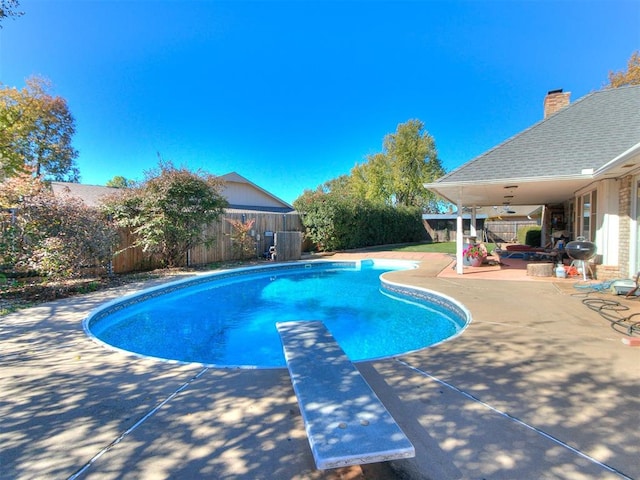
554 101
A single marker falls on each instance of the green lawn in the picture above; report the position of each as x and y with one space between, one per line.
444 247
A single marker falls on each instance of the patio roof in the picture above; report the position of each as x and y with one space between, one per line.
594 138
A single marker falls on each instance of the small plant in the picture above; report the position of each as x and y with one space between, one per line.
241 240
475 251
89 287
7 310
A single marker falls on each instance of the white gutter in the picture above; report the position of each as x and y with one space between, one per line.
502 181
623 157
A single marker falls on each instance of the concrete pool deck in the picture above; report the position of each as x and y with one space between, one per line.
538 386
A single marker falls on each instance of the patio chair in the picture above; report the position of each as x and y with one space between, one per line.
635 288
524 252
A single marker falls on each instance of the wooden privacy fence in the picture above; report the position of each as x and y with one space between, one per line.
506 231
267 227
488 230
288 246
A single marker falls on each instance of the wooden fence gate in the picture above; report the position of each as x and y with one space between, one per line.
288 246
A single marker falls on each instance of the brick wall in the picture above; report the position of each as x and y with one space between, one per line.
605 273
624 234
554 101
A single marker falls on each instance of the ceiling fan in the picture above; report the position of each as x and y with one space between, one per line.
505 209
466 209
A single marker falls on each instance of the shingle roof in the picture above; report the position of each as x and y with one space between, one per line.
584 135
91 195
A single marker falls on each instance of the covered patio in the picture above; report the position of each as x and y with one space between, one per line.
581 160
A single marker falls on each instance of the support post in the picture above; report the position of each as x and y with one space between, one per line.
459 241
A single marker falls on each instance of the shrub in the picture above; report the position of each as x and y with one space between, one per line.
56 237
169 210
530 235
339 223
242 243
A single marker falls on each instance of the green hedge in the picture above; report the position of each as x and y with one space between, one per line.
342 223
530 235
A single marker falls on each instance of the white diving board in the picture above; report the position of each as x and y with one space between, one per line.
346 422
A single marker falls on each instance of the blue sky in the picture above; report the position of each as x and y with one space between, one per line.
292 94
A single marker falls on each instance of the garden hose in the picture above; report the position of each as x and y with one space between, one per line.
611 310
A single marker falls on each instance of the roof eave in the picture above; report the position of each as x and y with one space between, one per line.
618 163
513 191
508 181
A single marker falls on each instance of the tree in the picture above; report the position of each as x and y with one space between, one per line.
119 182
372 180
169 210
8 9
413 160
36 129
340 186
11 163
382 199
630 77
396 175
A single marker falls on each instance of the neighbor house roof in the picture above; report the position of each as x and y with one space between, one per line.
91 195
245 195
239 192
549 161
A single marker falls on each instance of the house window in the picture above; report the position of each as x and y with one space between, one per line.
588 209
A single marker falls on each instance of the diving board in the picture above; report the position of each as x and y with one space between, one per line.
345 421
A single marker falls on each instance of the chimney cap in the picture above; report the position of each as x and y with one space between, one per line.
551 92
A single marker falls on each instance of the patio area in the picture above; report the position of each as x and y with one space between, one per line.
538 386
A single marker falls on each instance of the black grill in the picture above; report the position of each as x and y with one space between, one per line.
580 250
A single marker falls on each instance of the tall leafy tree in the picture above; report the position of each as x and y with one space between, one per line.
396 175
629 77
413 160
373 180
36 130
8 9
119 182
381 200
11 163
340 186
169 210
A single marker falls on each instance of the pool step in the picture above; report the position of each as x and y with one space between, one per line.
346 422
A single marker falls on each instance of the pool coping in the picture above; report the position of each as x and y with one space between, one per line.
537 387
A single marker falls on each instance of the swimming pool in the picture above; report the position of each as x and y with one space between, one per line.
228 318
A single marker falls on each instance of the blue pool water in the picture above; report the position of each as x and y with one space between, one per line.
229 319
